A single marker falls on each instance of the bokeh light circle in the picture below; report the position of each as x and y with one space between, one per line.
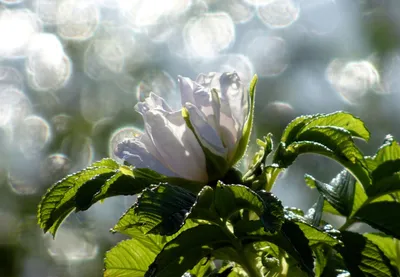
279 13
118 136
209 34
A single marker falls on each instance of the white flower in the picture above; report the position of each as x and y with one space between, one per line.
199 142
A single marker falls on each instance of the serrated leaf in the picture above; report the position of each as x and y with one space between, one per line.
186 250
338 119
389 246
341 192
203 268
385 169
363 258
103 179
343 120
131 258
118 261
384 216
298 246
321 253
303 147
336 139
159 210
59 200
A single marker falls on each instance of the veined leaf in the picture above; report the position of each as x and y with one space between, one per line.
343 120
303 147
59 200
103 179
203 268
131 258
161 209
389 246
341 192
384 216
385 169
337 119
187 249
363 258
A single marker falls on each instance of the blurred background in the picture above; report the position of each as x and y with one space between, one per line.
71 72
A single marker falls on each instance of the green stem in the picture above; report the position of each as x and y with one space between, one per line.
272 178
347 224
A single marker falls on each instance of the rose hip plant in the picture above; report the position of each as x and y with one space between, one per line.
197 215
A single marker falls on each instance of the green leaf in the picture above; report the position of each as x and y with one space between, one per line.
343 120
244 139
385 169
59 201
295 126
273 215
322 253
131 258
225 200
389 246
159 210
298 246
103 179
303 147
338 119
340 192
186 250
329 135
384 216
257 166
203 268
363 258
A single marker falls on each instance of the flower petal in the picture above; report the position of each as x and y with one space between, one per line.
136 152
152 102
205 132
202 98
234 95
176 144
